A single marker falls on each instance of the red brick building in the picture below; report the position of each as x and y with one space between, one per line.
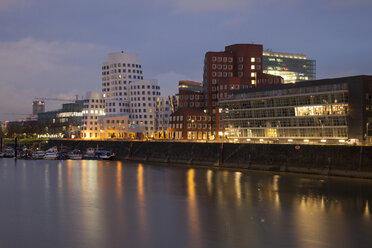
190 95
189 124
238 67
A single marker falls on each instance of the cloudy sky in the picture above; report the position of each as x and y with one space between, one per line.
51 48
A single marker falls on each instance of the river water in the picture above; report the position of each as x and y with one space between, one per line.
127 204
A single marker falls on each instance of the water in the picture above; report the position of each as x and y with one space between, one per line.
122 204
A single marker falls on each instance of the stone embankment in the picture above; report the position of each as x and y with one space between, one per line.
350 161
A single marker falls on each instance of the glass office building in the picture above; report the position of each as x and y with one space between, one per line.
291 67
317 111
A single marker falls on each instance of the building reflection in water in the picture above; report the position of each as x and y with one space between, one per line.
209 182
238 186
119 179
193 212
141 205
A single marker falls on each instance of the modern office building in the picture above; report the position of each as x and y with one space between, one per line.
65 122
163 113
190 124
321 111
120 70
190 95
38 107
143 95
190 86
115 126
290 66
93 109
238 67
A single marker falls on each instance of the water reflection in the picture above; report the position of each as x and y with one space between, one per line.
193 214
109 204
142 211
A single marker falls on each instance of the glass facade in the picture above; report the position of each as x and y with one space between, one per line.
291 67
306 112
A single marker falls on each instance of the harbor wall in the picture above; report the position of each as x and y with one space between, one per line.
351 161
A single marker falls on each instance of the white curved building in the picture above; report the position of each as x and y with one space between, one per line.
120 70
93 109
143 95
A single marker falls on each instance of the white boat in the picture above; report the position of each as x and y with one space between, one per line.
50 156
38 154
75 155
53 150
9 152
90 153
1 155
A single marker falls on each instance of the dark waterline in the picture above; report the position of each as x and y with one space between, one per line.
123 204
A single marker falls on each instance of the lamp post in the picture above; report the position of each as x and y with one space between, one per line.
367 125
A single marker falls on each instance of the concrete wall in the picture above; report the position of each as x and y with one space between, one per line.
354 161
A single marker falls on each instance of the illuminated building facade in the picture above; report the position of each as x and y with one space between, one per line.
93 109
114 126
38 107
290 66
190 124
329 110
240 65
163 113
65 122
143 95
190 95
120 70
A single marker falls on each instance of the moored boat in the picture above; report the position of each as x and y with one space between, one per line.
90 153
9 152
38 154
104 155
50 156
75 155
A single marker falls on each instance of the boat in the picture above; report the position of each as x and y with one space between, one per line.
25 154
90 153
62 156
51 153
75 155
50 156
1 155
38 154
9 152
104 155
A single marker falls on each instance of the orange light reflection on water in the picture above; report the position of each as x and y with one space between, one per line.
193 213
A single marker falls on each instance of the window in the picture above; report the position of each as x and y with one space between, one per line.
252 60
241 59
213 59
252 67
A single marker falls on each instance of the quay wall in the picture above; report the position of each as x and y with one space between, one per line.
351 161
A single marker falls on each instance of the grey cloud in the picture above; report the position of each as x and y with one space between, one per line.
30 68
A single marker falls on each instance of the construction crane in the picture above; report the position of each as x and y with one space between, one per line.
56 99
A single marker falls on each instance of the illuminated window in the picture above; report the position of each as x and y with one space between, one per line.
252 74
253 67
252 59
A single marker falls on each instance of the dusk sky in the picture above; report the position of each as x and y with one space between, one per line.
54 48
